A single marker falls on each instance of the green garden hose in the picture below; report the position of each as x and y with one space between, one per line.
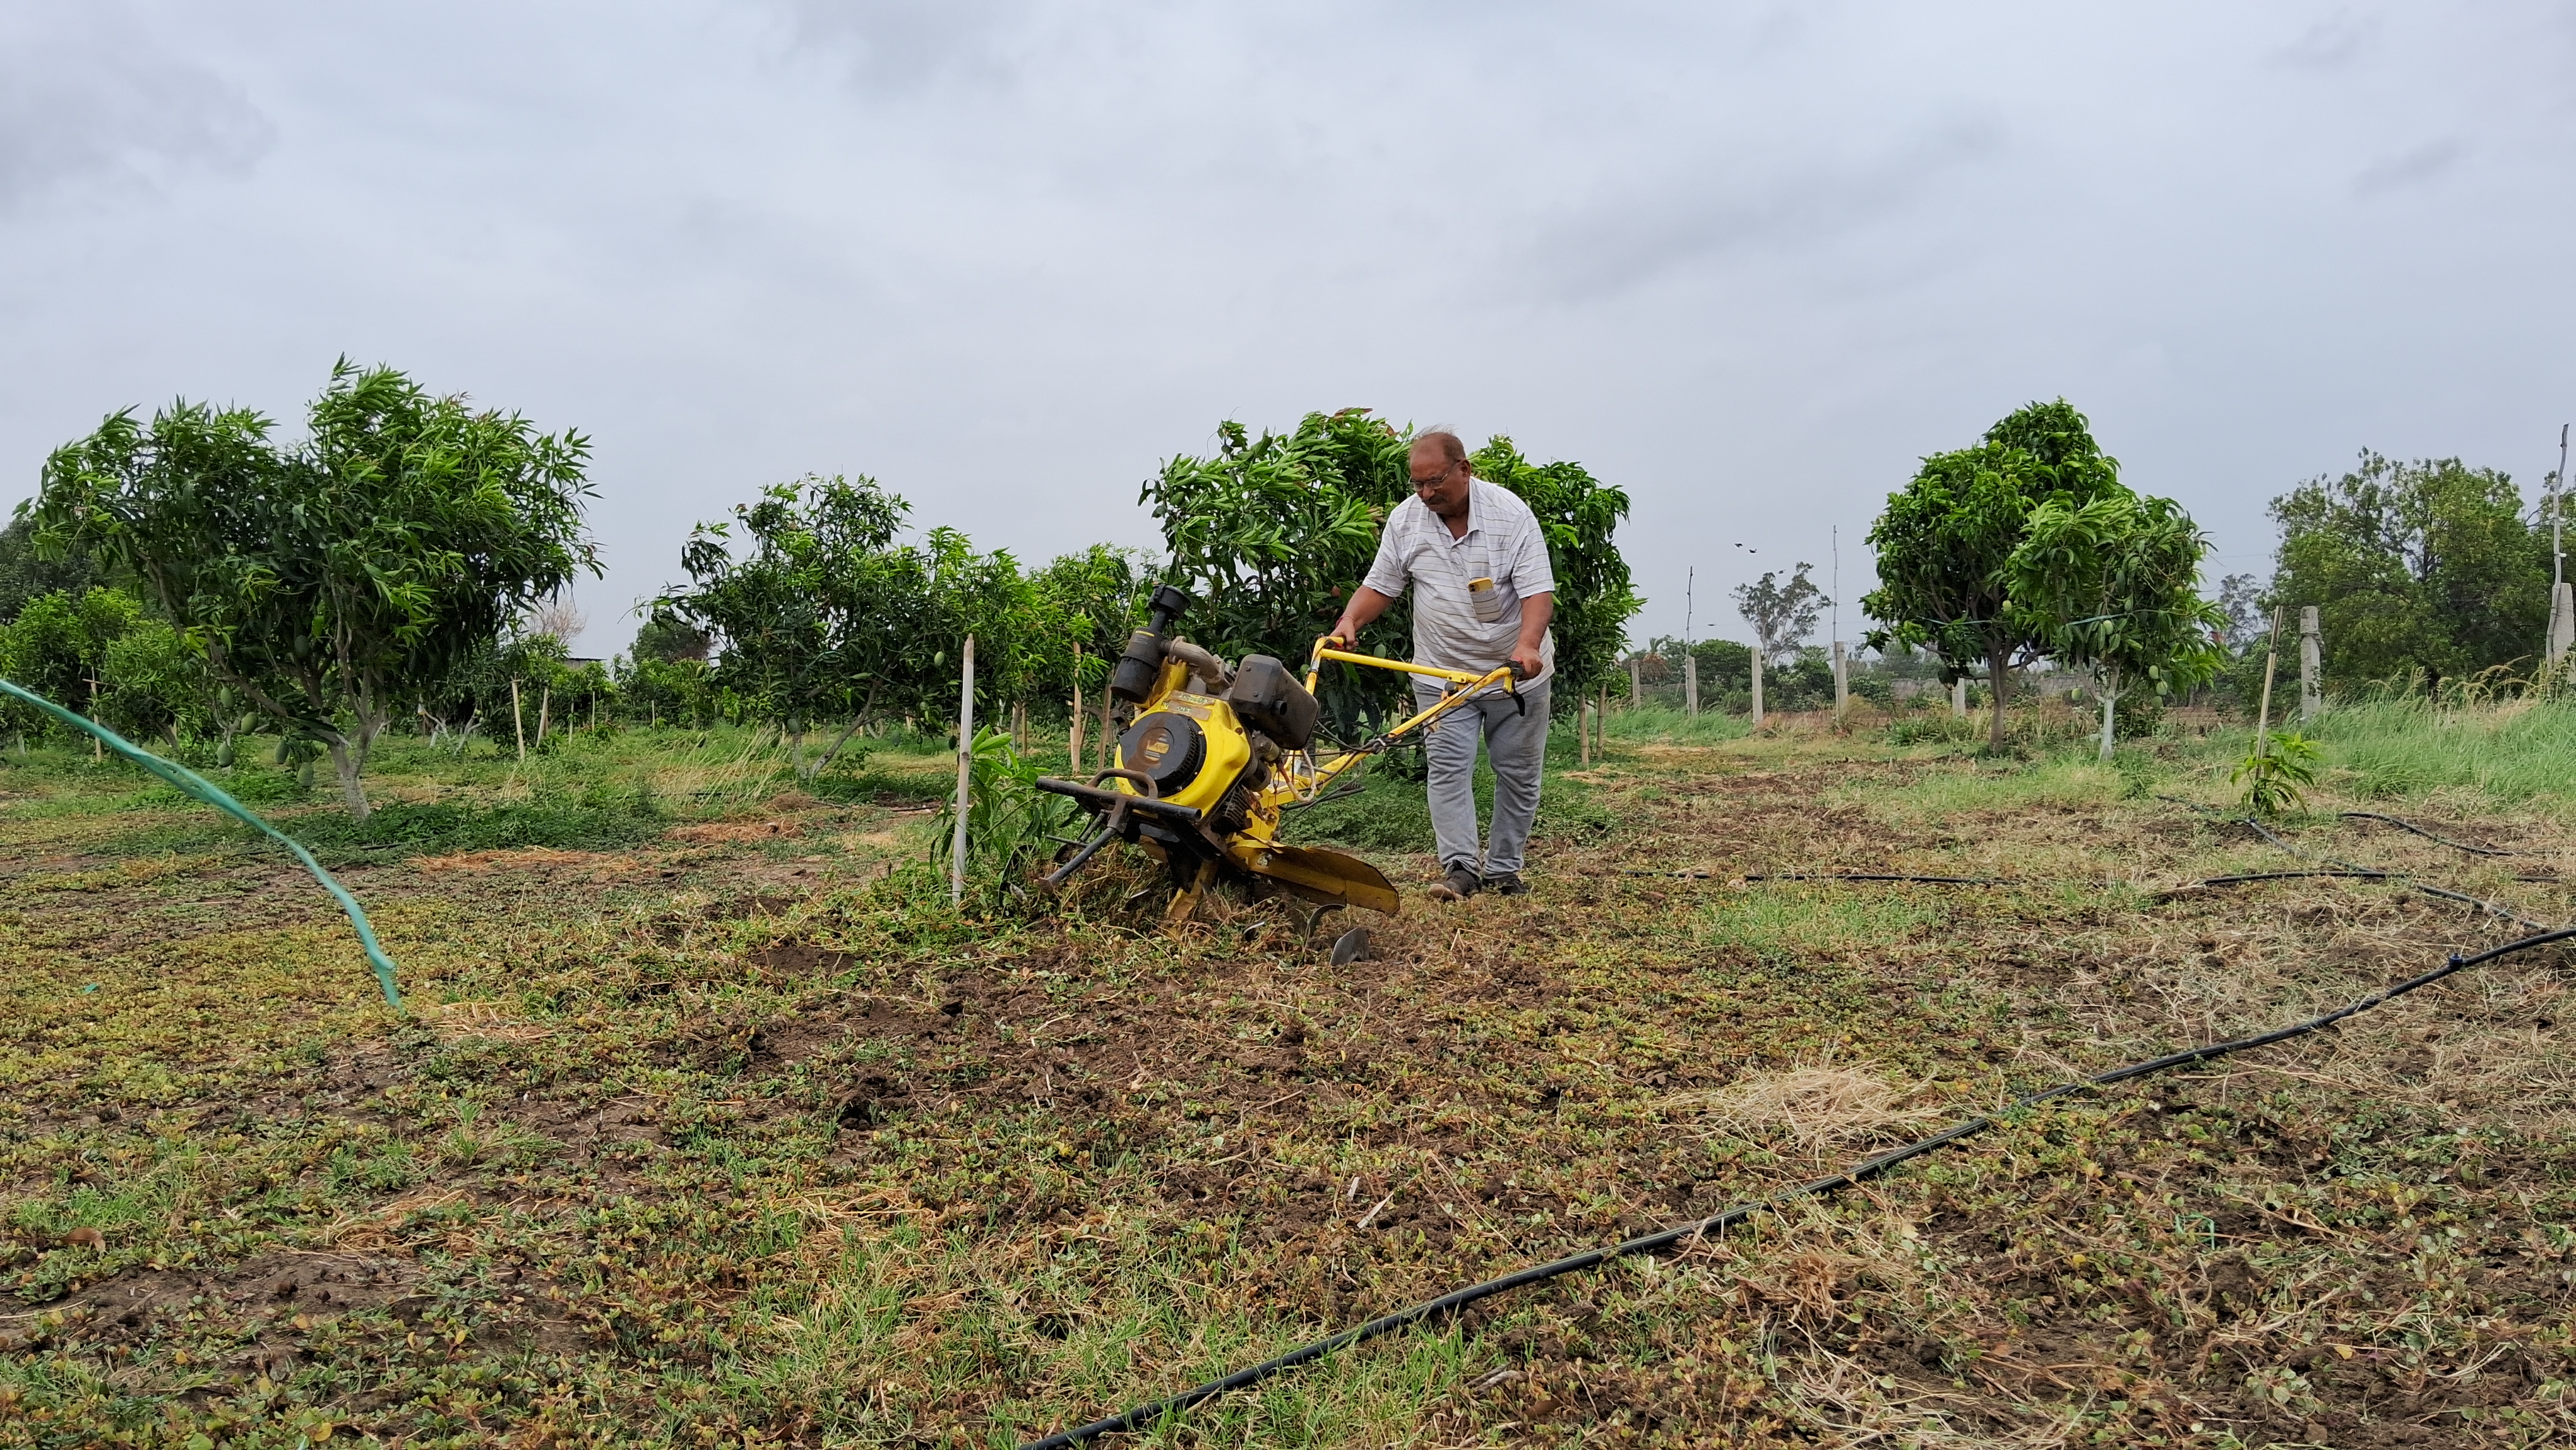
188 782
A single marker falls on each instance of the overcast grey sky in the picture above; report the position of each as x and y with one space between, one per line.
1747 262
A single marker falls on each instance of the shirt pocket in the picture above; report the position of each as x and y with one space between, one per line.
1484 592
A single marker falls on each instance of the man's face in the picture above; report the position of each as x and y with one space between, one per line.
1440 482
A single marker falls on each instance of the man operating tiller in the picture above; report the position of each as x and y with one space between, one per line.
1483 593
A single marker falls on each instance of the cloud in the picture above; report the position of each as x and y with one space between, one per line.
2409 168
1693 214
903 45
2331 44
86 94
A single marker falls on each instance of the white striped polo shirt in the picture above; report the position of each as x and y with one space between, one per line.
1502 543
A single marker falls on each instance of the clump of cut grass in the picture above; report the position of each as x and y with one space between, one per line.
1815 1107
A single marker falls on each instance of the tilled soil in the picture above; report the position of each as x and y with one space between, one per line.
789 1155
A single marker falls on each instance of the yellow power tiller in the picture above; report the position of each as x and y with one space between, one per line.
1215 756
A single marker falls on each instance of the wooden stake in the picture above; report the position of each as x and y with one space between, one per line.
1583 735
545 706
2271 661
1073 734
1107 739
518 718
965 773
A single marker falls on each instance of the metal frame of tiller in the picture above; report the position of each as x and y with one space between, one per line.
1127 805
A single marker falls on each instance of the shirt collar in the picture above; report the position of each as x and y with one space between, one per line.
1475 513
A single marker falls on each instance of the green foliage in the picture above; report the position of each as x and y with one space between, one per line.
1723 664
814 617
827 616
2278 774
97 653
1782 615
2114 585
1272 534
2402 746
1011 825
57 646
26 574
664 692
665 638
153 684
1595 595
2422 570
336 584
1947 540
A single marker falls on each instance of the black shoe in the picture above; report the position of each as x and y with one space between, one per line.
1506 883
1461 883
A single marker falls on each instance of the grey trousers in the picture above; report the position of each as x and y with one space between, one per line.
1516 744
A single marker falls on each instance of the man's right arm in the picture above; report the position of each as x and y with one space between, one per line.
1365 606
1386 579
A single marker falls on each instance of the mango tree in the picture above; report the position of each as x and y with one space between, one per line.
2113 585
333 584
1947 540
819 617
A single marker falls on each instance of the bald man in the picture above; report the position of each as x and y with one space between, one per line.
1483 593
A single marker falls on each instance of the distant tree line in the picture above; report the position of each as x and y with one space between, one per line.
190 579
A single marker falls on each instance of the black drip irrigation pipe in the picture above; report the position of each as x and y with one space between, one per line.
2412 884
2240 880
2428 835
1760 876
2351 868
1690 1233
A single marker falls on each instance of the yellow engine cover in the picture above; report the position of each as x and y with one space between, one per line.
1228 752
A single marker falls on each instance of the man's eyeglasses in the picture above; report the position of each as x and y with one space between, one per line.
1436 479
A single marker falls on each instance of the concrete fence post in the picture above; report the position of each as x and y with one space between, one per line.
1636 682
1959 698
1757 689
2562 620
965 773
2310 652
1842 680
1690 685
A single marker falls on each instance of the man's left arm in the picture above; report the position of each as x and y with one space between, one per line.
1536 611
1534 579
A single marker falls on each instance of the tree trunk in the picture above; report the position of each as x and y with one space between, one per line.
347 762
2110 695
842 739
1998 676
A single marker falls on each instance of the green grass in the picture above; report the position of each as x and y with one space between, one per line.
1968 786
1392 813
1661 725
1786 919
2508 754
